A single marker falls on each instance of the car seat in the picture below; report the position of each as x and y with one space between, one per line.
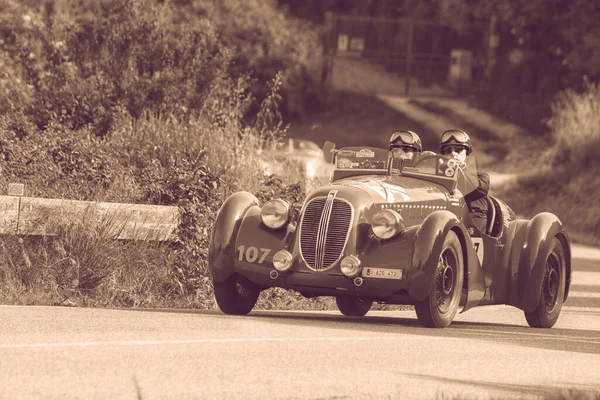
491 217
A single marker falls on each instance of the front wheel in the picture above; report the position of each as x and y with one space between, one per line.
440 307
236 296
352 306
553 289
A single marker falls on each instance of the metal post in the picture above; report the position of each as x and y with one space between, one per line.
408 59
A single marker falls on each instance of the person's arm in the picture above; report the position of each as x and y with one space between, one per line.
482 189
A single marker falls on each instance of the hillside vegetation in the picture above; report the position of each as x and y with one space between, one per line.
565 179
168 103
138 101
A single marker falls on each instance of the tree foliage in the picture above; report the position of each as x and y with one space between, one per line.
84 63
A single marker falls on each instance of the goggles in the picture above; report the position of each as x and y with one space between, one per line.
402 137
400 148
454 135
449 149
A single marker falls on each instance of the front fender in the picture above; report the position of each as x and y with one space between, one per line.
428 246
221 251
537 239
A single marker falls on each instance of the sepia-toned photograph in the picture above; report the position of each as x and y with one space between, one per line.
300 199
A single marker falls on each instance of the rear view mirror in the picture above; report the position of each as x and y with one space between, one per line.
328 151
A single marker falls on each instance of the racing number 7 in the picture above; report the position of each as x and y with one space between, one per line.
478 245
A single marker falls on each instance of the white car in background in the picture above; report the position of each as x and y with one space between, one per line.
300 157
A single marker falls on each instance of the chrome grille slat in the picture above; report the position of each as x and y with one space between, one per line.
324 231
322 235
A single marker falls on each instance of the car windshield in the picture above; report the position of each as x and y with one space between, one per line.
362 158
447 168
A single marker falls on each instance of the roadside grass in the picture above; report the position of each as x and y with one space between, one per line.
566 181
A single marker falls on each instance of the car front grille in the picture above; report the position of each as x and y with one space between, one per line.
324 231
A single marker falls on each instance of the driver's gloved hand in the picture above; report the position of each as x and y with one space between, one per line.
460 163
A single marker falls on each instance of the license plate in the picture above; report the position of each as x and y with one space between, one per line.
383 273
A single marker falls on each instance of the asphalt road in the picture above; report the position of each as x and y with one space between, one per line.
488 352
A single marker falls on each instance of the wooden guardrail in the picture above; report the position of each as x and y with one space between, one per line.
21 215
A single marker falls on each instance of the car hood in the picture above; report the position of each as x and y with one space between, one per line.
385 189
413 198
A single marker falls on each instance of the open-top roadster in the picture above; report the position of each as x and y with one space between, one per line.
381 232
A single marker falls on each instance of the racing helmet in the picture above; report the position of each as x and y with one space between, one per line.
453 137
406 139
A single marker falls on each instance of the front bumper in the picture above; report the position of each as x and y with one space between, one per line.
321 283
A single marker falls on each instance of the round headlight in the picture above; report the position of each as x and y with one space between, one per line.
387 224
350 266
275 213
282 260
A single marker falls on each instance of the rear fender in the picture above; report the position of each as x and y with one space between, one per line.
221 253
535 246
428 246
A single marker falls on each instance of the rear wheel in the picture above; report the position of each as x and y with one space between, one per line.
236 296
352 306
553 289
440 307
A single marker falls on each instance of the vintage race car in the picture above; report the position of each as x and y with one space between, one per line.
382 232
297 158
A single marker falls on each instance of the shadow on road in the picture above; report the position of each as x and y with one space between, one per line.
570 340
580 341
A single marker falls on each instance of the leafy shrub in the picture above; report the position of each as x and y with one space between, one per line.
267 41
83 63
120 101
109 56
575 126
60 163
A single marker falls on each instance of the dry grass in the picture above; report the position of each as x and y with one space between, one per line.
565 179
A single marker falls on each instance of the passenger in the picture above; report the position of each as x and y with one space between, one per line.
456 143
406 146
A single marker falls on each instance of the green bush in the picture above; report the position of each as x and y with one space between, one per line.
267 41
575 126
84 66
123 101
83 63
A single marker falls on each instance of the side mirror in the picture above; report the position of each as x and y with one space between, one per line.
328 151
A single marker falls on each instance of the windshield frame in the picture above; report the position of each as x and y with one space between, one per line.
448 182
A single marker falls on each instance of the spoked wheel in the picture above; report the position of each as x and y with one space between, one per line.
440 307
553 289
352 306
236 296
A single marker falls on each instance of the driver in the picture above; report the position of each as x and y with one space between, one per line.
457 144
406 145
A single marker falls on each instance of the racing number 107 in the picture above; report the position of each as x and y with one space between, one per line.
251 254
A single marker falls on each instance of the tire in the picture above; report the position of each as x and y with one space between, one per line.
352 306
553 289
440 307
236 296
